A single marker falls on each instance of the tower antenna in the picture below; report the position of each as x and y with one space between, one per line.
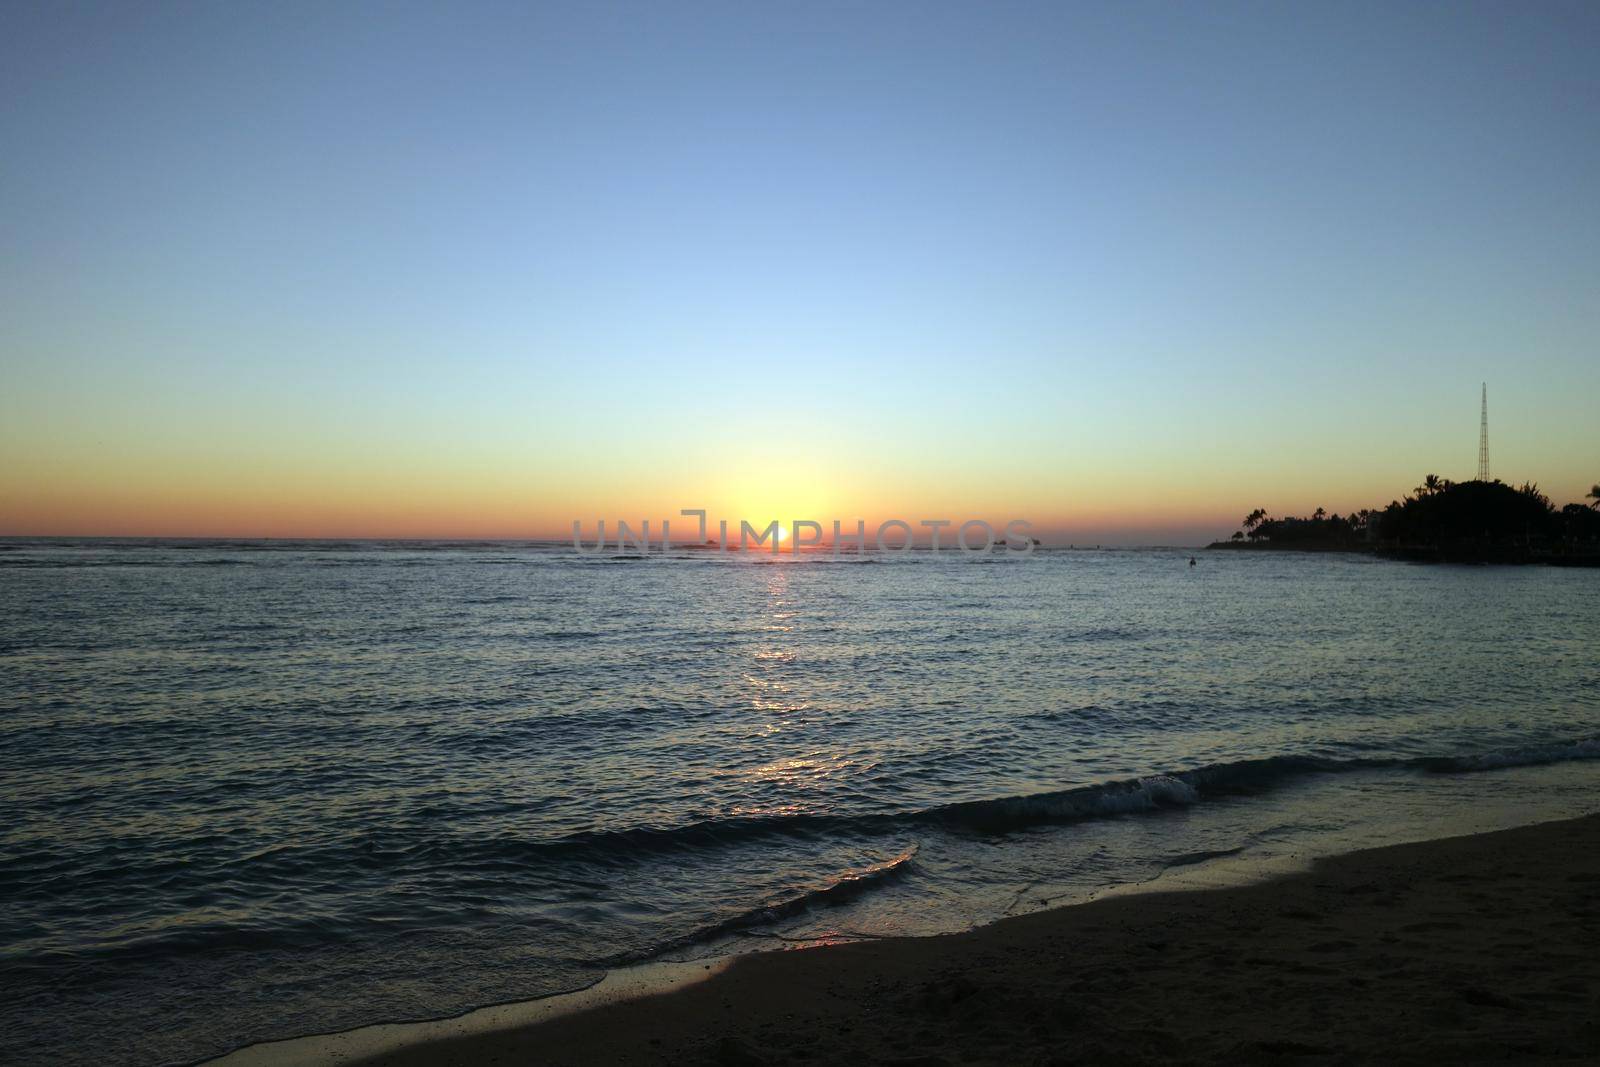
1483 437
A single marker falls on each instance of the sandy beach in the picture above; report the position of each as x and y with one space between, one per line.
1478 948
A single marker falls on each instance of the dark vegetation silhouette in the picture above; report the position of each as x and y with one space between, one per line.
1442 520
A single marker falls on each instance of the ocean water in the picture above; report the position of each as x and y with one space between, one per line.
257 790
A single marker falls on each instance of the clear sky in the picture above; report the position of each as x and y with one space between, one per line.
1125 270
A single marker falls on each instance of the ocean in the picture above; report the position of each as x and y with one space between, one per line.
253 790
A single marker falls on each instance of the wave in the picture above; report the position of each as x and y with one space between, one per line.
997 815
843 889
1129 796
1148 793
382 851
377 858
1534 755
1237 778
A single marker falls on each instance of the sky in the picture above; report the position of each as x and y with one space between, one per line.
1126 271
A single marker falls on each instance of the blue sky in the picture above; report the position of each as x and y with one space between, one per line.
1123 267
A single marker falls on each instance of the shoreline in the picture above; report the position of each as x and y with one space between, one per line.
1416 554
1479 946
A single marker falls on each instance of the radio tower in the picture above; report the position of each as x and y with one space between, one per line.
1483 437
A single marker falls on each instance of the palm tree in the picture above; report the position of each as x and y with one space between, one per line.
1594 494
1431 484
1254 519
1320 514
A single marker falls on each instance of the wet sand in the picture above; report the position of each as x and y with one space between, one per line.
1480 948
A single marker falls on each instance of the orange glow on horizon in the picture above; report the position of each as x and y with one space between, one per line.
433 496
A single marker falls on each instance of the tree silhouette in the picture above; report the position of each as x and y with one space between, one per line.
1476 521
1432 484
